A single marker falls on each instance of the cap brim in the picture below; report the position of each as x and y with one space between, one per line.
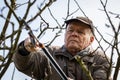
79 20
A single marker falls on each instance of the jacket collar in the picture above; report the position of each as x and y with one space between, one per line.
64 52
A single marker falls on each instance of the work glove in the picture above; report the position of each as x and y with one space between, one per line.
29 46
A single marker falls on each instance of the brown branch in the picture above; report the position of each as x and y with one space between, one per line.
80 8
28 8
13 45
11 52
41 10
54 18
104 7
115 43
2 35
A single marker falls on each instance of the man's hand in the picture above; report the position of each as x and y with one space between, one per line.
29 46
70 79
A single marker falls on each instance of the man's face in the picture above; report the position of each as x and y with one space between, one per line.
77 37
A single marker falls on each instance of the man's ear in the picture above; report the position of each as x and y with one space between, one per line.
91 39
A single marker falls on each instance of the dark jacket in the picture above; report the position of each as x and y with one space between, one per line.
37 65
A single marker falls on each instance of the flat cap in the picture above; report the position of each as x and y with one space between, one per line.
84 20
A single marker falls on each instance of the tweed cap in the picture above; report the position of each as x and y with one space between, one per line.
84 20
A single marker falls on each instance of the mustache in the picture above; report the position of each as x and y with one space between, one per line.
73 39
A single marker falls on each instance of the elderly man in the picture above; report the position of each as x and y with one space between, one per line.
79 36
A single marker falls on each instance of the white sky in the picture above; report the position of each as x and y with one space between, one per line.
90 7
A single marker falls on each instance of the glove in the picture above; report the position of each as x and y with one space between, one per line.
30 47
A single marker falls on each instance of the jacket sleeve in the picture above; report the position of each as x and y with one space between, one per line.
101 67
34 64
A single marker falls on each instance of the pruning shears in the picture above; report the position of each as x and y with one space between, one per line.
47 53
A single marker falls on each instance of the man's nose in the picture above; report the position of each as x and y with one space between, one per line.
74 33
